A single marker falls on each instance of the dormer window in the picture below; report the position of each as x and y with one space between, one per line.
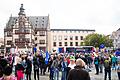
42 24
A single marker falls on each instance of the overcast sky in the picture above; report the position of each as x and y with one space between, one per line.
101 15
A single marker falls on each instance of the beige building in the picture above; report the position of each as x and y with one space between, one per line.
27 32
65 40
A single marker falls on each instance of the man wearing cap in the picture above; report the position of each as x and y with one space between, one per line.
72 62
71 65
78 73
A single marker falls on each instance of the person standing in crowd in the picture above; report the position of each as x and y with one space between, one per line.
52 68
84 58
1 72
50 62
101 61
8 74
19 70
114 61
118 70
36 67
78 73
107 66
28 68
64 68
72 62
68 59
90 60
96 62
56 65
15 58
71 65
42 62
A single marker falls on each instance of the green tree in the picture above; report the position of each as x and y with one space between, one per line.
97 39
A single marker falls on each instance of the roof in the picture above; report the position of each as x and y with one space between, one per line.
118 29
72 30
35 21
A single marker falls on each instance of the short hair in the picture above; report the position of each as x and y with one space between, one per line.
8 70
80 62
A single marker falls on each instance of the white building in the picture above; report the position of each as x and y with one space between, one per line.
65 40
116 38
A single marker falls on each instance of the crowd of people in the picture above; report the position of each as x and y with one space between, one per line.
61 66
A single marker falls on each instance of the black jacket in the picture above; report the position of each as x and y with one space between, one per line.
29 66
78 74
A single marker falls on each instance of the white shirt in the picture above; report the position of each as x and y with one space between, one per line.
72 66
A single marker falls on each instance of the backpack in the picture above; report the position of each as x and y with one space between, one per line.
36 67
107 64
96 61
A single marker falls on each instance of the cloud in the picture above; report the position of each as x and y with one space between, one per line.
89 14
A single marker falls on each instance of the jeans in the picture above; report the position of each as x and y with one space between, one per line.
64 75
114 65
36 72
107 71
118 75
97 69
28 76
101 68
56 74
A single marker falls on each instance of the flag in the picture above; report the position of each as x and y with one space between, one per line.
34 49
47 58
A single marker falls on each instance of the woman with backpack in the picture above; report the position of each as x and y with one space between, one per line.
107 66
96 62
64 68
36 67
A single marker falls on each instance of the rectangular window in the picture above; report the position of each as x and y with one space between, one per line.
54 44
66 44
60 43
9 42
42 41
27 40
54 38
76 37
27 31
71 43
71 37
9 34
35 45
60 38
35 32
16 31
42 24
65 37
35 38
16 40
76 43
81 37
42 33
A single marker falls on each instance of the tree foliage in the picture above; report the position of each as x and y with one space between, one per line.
97 39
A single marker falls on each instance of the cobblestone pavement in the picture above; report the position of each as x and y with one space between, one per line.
101 75
92 75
